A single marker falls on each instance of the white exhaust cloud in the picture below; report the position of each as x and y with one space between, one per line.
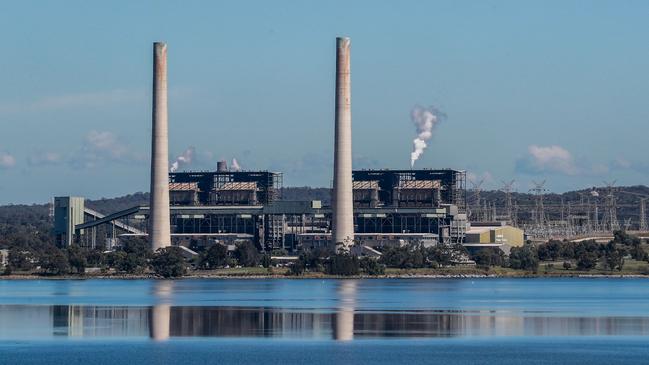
235 165
185 159
425 120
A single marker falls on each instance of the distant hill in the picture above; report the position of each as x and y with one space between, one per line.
112 205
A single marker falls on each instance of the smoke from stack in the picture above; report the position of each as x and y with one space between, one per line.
425 120
235 165
183 160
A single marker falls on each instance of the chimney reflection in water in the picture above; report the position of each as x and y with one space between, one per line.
343 324
160 313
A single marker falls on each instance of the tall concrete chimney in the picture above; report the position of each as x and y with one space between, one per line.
159 230
342 202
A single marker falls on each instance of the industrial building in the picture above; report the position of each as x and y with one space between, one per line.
68 213
369 208
493 234
224 188
390 207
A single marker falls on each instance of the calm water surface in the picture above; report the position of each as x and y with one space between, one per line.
499 321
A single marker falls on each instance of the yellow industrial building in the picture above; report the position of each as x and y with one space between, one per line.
494 235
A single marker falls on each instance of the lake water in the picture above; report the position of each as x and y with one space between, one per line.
374 321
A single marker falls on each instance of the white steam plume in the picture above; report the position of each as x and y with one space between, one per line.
235 165
183 160
425 120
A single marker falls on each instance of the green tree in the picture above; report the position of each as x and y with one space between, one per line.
77 258
169 262
613 257
114 259
551 250
582 249
131 263
614 260
215 256
266 261
136 254
626 239
137 246
371 266
404 257
586 260
445 255
297 268
567 250
638 253
343 264
524 258
20 259
315 260
94 257
489 256
247 254
55 263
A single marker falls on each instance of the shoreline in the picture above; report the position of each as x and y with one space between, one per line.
25 277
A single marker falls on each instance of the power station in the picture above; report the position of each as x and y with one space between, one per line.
389 206
368 209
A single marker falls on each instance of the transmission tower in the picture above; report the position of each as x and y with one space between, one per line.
515 216
610 217
485 211
474 212
570 224
643 215
589 216
582 221
539 191
593 210
507 188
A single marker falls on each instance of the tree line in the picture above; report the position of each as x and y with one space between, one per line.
134 257
584 255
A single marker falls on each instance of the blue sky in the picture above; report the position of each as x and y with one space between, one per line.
550 90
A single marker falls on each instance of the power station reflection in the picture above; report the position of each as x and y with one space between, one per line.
345 321
164 321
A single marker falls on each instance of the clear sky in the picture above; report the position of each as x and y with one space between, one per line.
552 90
